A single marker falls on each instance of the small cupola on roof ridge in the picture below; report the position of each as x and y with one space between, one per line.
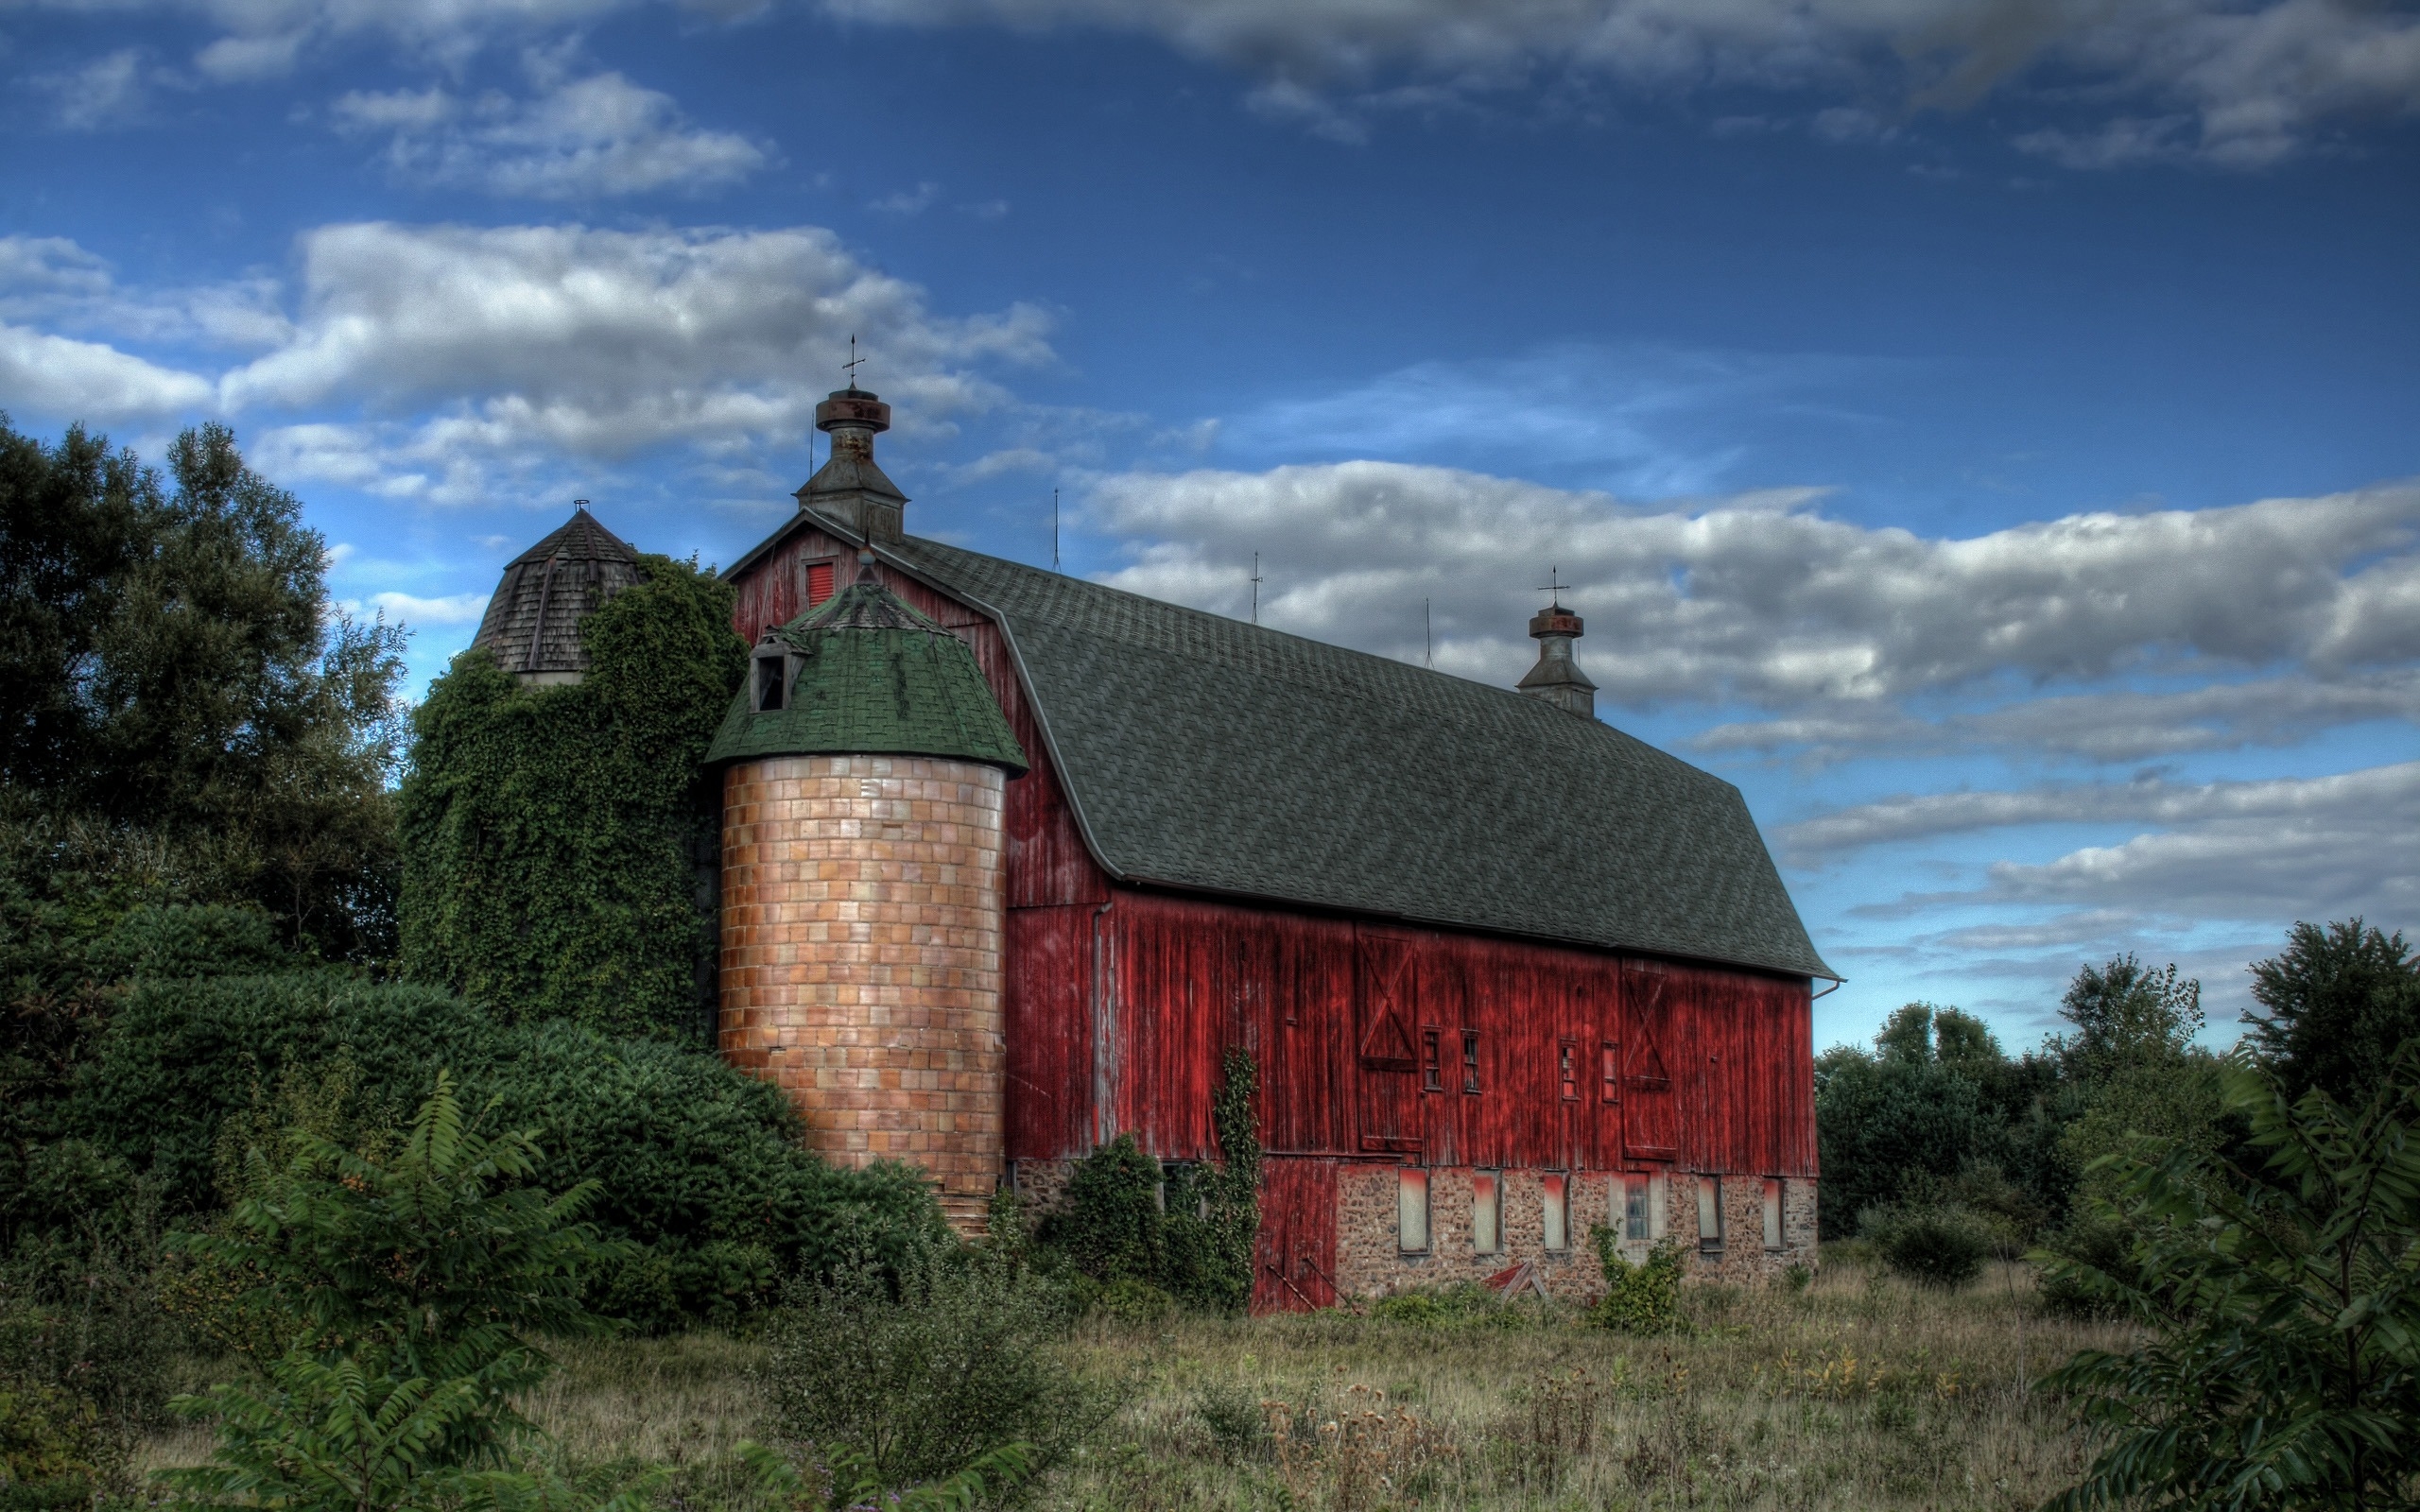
532 623
850 488
1557 679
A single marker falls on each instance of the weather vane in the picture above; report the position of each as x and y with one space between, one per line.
1555 585
850 367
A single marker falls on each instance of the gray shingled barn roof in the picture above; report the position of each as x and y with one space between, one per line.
1204 753
532 623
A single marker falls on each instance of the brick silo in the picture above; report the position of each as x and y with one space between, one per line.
863 768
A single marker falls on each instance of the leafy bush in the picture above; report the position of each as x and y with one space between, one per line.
409 1289
1464 1304
1642 1298
2281 1305
2090 1244
1939 1246
1187 1230
921 1382
698 1165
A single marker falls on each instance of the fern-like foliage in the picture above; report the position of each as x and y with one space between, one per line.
2283 1301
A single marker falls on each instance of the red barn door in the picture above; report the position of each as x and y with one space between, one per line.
1294 1269
1650 1106
1387 1067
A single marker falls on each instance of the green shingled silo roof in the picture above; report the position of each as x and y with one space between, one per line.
872 677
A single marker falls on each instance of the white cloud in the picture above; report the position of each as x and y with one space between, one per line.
65 379
2121 726
577 139
2149 800
107 91
458 359
908 201
1760 597
597 343
2323 848
450 609
2244 84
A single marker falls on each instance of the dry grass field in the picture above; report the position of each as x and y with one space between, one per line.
1860 1392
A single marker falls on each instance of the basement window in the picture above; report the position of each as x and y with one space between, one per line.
1432 1075
1487 1212
1554 1211
1470 1060
1710 1213
1638 1214
1772 1214
1567 1061
1411 1209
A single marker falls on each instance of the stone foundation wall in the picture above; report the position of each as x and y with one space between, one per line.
861 938
1370 1261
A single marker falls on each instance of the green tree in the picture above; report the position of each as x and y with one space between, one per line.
2283 1367
1904 1115
2338 1002
170 668
558 842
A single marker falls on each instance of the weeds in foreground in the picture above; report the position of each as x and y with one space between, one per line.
1840 1398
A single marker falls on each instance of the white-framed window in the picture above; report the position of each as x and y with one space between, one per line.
1773 1212
1638 1209
1709 1212
1554 1211
1411 1209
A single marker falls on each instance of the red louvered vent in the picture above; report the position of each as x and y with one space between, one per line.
819 582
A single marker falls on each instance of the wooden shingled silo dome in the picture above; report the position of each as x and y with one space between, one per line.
865 767
532 623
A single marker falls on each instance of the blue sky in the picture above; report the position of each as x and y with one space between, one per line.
1984 432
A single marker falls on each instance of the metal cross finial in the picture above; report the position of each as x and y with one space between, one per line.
1555 585
850 367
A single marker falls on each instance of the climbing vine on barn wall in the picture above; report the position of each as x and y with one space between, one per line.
558 842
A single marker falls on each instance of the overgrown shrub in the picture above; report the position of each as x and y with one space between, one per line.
1464 1304
1187 1230
698 1165
921 1373
1941 1246
1642 1298
410 1289
2278 1300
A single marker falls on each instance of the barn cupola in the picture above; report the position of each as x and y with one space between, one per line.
1557 679
532 623
850 488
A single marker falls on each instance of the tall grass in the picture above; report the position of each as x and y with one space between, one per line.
1861 1392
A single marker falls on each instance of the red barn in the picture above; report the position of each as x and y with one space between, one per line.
1508 972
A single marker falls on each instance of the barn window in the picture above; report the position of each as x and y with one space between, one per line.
1567 1061
1432 1075
1710 1212
1608 1072
1554 1209
1411 1209
1772 1214
819 582
772 682
1487 1212
1638 1211
1470 1060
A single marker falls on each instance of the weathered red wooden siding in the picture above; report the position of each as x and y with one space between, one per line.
1118 1017
1310 995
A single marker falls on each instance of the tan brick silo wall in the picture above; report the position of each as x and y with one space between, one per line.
861 937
